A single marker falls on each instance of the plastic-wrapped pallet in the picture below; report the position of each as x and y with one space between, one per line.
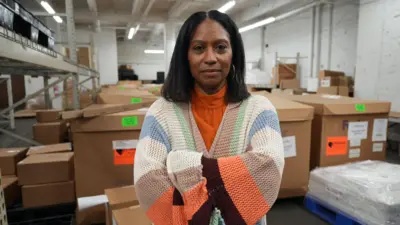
3 210
368 191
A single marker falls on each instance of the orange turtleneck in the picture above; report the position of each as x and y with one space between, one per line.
208 111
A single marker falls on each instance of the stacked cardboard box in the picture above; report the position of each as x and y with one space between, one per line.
125 97
295 122
283 72
346 130
50 129
9 158
47 179
123 207
334 83
104 151
45 149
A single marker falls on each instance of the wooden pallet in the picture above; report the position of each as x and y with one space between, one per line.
329 213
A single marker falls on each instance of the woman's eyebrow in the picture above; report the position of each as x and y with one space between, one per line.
214 41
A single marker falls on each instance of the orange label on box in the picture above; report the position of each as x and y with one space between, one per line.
124 156
336 146
124 151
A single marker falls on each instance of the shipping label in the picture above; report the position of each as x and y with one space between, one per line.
289 146
336 146
355 143
379 130
124 151
357 130
354 153
377 147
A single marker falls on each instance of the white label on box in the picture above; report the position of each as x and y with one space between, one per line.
325 83
354 153
90 202
357 130
355 143
289 146
377 147
36 148
380 130
125 144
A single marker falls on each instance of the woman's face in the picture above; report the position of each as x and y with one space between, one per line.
210 55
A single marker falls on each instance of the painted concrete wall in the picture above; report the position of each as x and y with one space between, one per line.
292 35
378 55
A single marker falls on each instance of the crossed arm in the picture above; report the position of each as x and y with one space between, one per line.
184 187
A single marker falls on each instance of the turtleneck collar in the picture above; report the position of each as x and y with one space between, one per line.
209 101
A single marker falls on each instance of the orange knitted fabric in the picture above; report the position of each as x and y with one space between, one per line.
208 111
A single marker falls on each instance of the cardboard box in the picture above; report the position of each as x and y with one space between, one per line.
9 157
329 73
284 72
133 215
346 130
45 149
327 91
46 168
130 98
50 133
119 198
46 116
12 191
295 122
336 90
329 81
343 91
104 151
48 194
289 84
91 210
346 81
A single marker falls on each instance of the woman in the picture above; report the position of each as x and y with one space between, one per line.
209 153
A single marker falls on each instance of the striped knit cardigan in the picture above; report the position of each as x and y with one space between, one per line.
236 182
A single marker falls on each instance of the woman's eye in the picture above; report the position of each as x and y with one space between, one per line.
198 48
221 47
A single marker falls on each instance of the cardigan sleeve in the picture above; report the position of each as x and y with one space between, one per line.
243 187
163 203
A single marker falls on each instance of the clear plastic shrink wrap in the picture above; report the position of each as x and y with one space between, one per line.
368 191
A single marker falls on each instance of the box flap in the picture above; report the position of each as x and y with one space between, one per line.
289 110
103 109
131 216
339 105
10 152
7 181
128 120
56 148
47 158
130 97
121 197
49 124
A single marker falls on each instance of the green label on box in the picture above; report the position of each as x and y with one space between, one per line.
360 108
136 100
130 121
121 88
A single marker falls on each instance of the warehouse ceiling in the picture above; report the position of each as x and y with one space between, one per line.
149 14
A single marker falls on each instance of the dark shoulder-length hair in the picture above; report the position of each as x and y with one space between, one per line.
180 82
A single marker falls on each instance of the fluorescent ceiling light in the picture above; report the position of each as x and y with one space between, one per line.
227 6
148 51
58 19
47 7
258 24
133 31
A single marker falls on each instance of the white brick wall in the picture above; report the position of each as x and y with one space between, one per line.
378 55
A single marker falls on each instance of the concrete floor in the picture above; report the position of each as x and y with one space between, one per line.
284 212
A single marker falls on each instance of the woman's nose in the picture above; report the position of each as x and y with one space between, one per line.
210 57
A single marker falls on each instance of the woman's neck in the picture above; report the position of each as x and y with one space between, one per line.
212 90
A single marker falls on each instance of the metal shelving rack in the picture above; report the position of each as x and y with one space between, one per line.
20 56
